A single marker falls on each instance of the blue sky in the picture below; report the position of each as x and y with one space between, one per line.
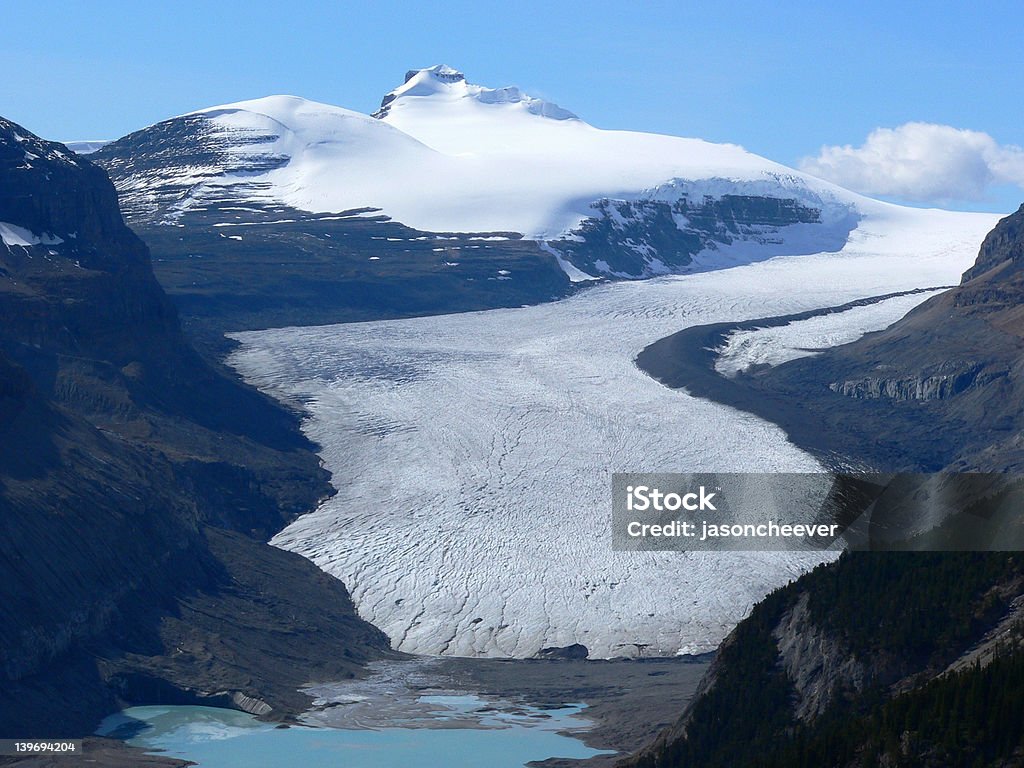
782 79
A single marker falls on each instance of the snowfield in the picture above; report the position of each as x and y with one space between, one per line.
472 453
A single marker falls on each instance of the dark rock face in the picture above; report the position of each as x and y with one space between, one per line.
647 237
1003 246
86 278
574 651
123 456
87 209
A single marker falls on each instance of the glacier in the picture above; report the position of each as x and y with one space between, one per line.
472 453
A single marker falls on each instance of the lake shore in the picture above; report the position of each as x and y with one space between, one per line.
627 701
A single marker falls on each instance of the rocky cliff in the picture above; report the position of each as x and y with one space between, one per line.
641 238
870 661
137 484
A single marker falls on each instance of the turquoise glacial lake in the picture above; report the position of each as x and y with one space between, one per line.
460 731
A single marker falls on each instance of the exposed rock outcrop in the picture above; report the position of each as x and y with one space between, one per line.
818 665
951 378
641 238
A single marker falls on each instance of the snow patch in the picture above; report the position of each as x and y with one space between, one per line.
575 274
11 234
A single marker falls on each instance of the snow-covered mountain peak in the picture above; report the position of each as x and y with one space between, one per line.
443 87
450 156
439 73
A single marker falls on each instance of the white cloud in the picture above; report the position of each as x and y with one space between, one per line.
921 162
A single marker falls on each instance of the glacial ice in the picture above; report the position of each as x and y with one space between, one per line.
472 453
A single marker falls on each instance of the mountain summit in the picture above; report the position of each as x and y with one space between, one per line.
443 84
